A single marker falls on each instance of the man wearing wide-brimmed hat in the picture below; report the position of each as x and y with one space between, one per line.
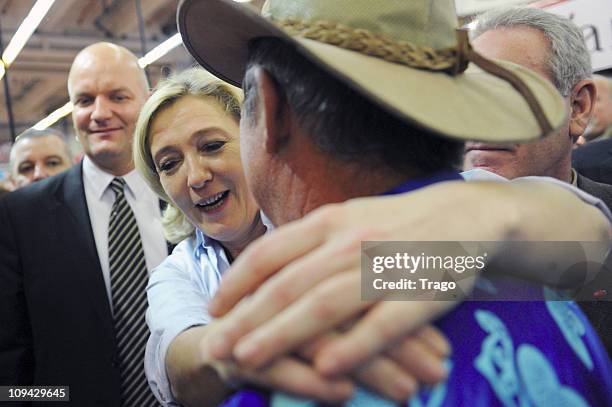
348 99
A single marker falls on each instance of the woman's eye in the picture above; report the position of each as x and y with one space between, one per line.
212 147
166 166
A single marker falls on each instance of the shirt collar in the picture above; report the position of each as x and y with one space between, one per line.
418 183
100 179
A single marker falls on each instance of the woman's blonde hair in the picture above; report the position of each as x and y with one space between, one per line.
194 82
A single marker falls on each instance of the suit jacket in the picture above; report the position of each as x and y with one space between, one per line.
597 189
594 160
56 326
598 309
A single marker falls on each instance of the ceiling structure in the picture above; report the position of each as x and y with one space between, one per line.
37 78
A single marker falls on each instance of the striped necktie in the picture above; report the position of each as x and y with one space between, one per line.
128 277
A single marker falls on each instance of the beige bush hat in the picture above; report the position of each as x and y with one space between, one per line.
404 55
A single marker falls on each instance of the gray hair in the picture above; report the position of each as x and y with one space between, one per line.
35 134
569 60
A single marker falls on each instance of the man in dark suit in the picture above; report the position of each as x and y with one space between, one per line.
594 160
527 36
75 250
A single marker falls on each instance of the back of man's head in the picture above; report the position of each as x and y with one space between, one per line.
38 154
340 121
348 133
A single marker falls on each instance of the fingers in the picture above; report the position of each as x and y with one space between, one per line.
382 326
293 376
268 255
387 378
267 308
435 339
324 307
423 361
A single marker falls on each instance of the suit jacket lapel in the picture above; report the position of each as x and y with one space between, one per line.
73 216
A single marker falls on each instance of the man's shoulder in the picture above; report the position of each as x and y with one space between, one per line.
597 189
600 149
39 193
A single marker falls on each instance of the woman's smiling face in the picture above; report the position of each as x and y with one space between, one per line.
196 149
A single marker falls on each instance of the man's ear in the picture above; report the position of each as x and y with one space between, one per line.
582 101
272 111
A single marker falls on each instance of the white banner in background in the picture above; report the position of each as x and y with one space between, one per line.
469 7
594 17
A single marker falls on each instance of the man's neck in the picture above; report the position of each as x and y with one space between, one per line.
334 184
563 171
118 168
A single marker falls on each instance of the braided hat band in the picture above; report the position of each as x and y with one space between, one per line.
376 45
452 60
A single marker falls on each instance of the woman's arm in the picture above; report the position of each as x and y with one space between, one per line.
193 379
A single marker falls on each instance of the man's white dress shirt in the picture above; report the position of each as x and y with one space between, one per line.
144 204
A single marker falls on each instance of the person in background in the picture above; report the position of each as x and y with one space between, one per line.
594 158
75 250
36 155
554 47
600 127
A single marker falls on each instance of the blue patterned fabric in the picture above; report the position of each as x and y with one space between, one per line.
535 353
510 353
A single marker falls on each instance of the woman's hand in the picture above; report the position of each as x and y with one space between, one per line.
199 379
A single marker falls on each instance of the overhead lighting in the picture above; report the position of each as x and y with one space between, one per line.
242 1
151 56
25 30
161 50
2 69
54 117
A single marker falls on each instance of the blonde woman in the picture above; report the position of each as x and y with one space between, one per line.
186 146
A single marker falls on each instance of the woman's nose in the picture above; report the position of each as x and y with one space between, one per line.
198 174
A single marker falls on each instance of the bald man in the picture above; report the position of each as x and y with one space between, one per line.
75 256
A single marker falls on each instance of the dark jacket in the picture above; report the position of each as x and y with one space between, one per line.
594 160
56 326
596 298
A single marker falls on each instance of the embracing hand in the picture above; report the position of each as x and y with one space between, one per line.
305 277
